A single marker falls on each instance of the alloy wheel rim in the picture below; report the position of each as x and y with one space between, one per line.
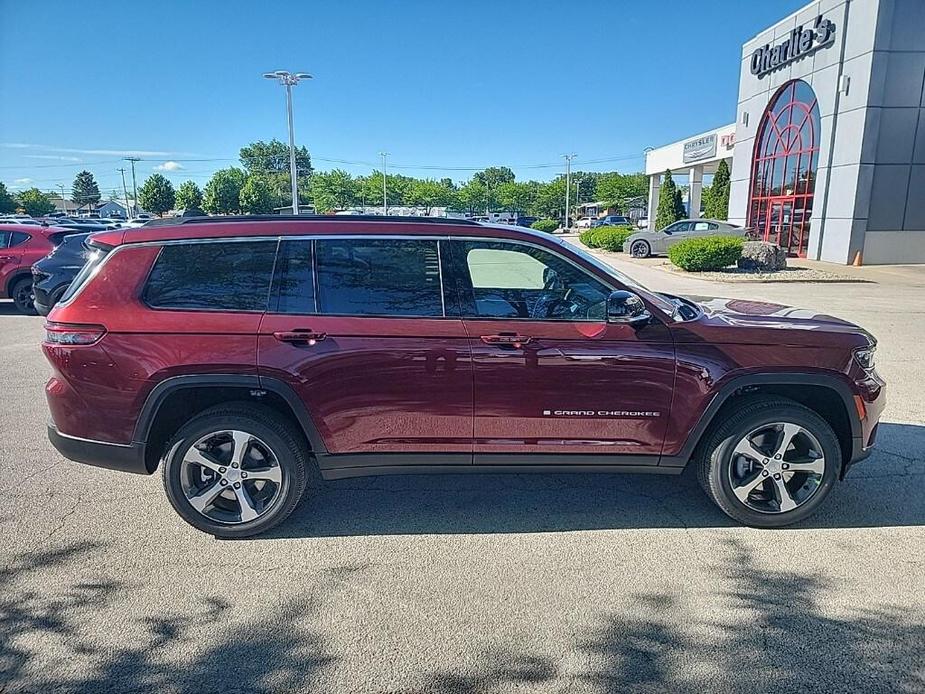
639 249
231 476
23 297
776 468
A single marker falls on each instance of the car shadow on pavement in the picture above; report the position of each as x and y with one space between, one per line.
774 631
8 308
884 490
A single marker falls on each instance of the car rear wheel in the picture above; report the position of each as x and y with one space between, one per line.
22 296
770 464
237 470
640 249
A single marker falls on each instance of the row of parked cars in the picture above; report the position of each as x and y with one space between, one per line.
40 256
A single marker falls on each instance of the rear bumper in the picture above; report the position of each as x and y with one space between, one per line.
114 456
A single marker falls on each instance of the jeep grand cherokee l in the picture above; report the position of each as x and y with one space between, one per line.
251 358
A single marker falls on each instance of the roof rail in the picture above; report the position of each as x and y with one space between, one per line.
308 218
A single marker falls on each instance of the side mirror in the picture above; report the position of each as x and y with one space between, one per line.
626 307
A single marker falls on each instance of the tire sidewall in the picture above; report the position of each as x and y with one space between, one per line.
290 487
640 245
28 308
721 460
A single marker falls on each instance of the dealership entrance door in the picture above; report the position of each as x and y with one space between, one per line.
784 220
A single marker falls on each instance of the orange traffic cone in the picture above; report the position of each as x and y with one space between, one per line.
857 259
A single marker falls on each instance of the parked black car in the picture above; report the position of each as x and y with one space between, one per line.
53 273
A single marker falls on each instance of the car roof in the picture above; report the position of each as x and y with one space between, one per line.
192 228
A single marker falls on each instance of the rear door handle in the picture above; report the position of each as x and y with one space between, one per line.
299 336
506 340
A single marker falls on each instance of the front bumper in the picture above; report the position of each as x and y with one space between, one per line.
114 456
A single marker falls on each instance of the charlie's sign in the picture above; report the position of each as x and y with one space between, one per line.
801 42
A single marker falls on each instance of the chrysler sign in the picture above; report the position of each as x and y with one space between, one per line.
801 42
701 148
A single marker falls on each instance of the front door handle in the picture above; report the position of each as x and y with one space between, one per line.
299 336
506 340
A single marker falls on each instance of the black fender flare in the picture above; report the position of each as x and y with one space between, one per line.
257 385
832 382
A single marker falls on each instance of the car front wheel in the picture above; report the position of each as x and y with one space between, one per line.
640 249
237 470
771 463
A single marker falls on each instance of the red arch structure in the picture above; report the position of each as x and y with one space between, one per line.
784 165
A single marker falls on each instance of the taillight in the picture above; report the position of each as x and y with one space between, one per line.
70 334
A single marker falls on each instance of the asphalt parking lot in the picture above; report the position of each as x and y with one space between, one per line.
560 583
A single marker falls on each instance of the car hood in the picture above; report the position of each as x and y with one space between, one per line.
748 321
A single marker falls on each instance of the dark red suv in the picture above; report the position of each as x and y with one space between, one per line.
255 357
21 245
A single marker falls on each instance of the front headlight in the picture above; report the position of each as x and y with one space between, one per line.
865 357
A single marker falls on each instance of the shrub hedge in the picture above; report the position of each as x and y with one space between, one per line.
706 253
547 225
610 238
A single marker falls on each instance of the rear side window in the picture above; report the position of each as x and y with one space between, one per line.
17 237
219 276
378 277
94 260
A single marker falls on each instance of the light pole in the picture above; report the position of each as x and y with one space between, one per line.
288 79
134 187
385 199
568 184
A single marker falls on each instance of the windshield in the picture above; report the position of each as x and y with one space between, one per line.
667 307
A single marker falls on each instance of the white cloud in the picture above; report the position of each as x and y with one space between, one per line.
23 181
168 166
56 157
109 152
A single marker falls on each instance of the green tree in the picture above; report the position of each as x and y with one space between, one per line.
428 193
35 202
550 199
473 196
333 190
670 204
85 192
189 196
222 194
157 195
7 201
717 201
617 190
494 176
516 197
270 160
255 196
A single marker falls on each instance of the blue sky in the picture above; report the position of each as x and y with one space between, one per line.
437 84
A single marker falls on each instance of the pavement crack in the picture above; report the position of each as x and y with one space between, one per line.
63 520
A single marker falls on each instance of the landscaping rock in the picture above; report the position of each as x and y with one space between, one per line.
762 256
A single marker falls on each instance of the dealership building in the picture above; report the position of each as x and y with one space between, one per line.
827 152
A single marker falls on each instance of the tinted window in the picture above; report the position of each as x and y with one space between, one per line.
224 276
702 226
378 277
4 239
294 286
17 237
521 281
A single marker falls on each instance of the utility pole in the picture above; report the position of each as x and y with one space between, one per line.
134 186
288 80
124 190
63 201
568 184
385 199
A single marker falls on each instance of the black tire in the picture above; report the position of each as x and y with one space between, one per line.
714 458
21 293
298 467
640 249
